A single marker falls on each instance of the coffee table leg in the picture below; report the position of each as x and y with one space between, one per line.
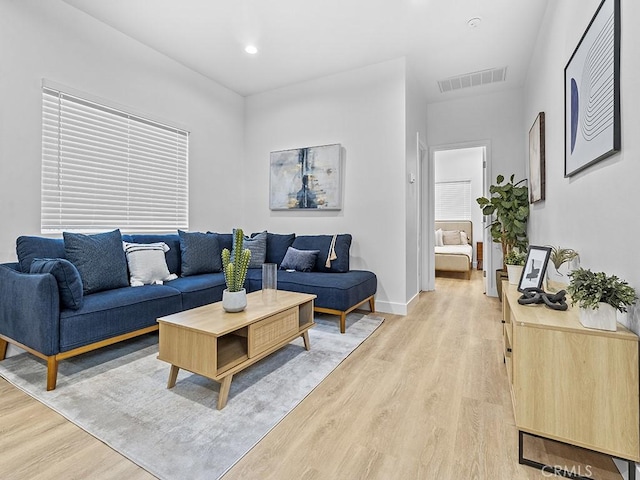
173 375
305 337
225 384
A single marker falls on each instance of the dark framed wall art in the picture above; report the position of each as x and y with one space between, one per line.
592 92
536 160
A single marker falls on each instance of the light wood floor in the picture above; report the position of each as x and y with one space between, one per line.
425 397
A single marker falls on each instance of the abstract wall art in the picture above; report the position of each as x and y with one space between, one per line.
536 160
307 178
592 92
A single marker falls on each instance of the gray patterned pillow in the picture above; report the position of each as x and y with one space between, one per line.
258 247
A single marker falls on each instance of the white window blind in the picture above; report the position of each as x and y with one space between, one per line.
453 200
103 168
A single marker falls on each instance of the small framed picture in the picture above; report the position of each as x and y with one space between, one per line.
535 267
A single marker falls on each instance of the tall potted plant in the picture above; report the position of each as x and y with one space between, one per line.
598 296
510 203
235 265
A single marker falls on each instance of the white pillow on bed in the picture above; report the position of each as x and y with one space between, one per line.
451 237
464 239
439 238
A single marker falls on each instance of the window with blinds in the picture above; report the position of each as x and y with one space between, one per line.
103 168
453 200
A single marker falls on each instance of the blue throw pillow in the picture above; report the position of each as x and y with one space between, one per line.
340 264
300 260
99 258
67 276
200 253
277 245
28 248
258 247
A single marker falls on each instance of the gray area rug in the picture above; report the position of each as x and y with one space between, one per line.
118 394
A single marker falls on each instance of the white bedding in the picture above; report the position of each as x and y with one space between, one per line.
457 250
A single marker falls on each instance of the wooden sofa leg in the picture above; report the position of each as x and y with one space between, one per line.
372 304
3 349
52 372
343 322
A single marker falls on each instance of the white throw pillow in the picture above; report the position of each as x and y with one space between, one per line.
439 238
147 263
451 237
464 239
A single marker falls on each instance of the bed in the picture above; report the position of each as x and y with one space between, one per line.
450 257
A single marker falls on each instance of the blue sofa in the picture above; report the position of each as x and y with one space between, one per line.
33 317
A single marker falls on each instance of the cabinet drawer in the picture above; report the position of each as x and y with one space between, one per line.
271 331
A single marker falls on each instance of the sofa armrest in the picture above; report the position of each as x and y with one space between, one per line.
30 309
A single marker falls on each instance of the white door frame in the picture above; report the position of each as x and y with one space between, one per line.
427 218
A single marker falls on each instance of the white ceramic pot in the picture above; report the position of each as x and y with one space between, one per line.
234 301
514 272
602 318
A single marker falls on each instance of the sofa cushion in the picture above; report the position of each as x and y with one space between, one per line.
300 260
199 290
225 240
28 248
200 253
115 312
323 243
99 258
277 245
336 291
172 240
258 247
67 276
147 263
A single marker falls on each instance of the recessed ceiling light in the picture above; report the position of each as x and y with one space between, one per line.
251 49
474 22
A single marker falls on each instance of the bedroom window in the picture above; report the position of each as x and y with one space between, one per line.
103 168
453 200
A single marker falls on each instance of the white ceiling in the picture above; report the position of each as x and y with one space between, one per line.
300 40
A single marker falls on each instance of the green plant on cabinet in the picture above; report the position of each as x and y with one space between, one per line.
588 289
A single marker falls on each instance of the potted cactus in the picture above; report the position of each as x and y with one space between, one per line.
234 297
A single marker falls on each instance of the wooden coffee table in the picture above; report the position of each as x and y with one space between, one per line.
213 343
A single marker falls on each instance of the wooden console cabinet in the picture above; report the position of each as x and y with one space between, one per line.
569 383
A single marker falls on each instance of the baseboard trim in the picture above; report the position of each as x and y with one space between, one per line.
391 307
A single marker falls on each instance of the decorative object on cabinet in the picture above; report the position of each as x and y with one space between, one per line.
564 261
534 268
514 260
536 160
235 265
599 296
592 92
549 353
306 178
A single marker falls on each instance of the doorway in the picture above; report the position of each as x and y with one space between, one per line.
462 170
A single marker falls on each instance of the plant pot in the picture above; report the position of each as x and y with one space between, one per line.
601 318
514 272
233 302
500 275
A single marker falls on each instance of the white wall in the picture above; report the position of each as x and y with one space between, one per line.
594 211
55 41
416 124
495 119
364 111
464 164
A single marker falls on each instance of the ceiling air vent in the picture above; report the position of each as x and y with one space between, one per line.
473 79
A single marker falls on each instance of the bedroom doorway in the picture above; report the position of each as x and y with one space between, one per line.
459 174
